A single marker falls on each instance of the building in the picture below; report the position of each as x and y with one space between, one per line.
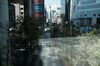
56 18
64 10
5 53
19 10
85 14
22 10
11 15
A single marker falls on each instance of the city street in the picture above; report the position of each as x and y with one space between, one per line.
52 49
49 33
58 51
49 53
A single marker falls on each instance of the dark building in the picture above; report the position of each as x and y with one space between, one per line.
39 11
66 10
11 15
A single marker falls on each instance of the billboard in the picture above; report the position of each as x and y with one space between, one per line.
39 8
36 1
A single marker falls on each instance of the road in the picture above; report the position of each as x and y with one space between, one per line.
58 51
49 53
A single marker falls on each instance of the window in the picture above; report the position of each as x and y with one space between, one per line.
85 14
94 14
22 13
98 14
0 25
21 8
80 15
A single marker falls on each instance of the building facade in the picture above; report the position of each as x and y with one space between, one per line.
85 13
63 2
19 10
64 10
4 38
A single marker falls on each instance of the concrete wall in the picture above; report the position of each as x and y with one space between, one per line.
63 2
64 10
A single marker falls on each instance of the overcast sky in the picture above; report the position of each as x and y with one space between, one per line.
54 4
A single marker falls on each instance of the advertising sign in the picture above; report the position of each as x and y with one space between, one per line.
36 14
36 1
38 7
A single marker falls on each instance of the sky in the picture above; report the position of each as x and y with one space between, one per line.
54 4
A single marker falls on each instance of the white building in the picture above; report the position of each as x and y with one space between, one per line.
56 15
56 18
85 12
19 10
63 8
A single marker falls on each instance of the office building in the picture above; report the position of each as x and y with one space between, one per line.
19 10
85 13
64 10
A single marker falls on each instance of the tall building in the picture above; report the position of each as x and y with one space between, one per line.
19 10
4 38
63 2
85 13
39 12
64 10
11 15
22 10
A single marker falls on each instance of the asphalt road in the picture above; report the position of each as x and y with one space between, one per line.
49 54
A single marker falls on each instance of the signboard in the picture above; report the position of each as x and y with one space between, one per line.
36 14
36 1
38 8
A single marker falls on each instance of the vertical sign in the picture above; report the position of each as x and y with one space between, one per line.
38 8
36 1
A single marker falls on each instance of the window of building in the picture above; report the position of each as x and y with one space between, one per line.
80 15
85 14
98 14
21 8
22 13
0 25
94 14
